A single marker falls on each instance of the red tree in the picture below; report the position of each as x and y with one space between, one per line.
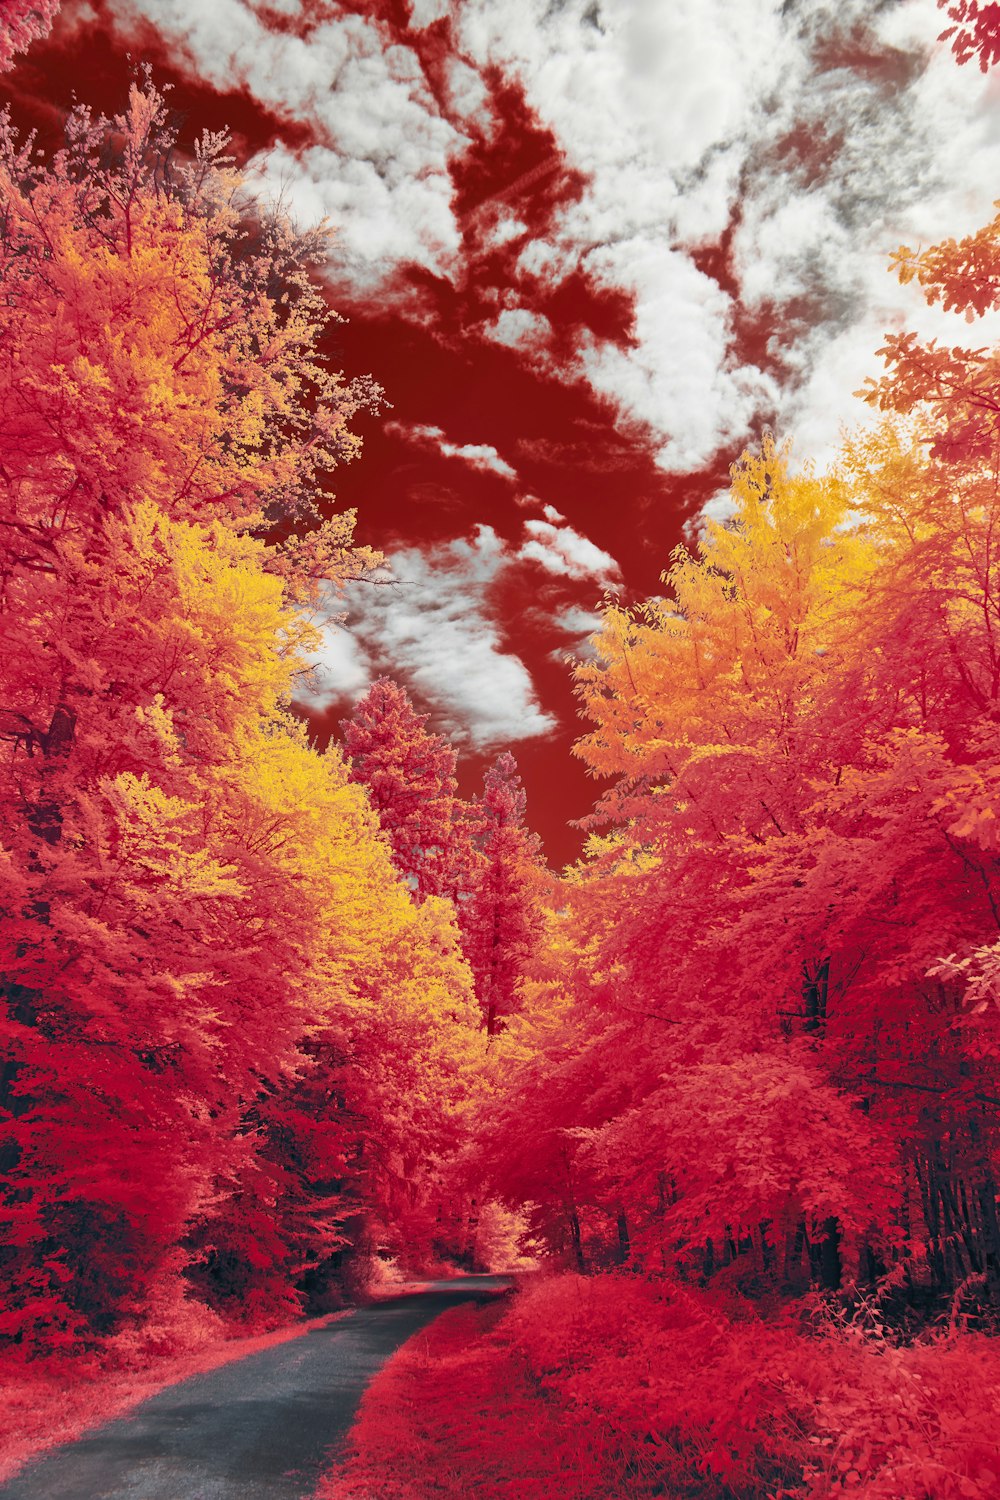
502 919
21 23
409 775
189 893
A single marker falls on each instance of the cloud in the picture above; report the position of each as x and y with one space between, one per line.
798 142
719 507
481 456
563 551
577 621
580 625
379 165
742 169
520 328
435 629
340 668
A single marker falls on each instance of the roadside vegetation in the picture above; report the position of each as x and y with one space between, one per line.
276 1015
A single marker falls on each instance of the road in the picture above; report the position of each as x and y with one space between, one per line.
261 1428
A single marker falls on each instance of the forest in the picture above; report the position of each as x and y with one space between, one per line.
276 1016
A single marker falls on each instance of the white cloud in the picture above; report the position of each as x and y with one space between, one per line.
814 131
435 629
379 170
687 118
340 669
435 626
676 379
517 327
478 455
719 507
563 551
576 621
580 625
653 103
426 12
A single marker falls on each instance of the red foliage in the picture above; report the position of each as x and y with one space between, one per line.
216 994
265 1011
611 1389
21 23
976 32
501 920
409 776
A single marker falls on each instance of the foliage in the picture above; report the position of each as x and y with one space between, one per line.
409 775
270 1014
500 920
975 32
203 935
610 1389
21 23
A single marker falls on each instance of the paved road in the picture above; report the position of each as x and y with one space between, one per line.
261 1428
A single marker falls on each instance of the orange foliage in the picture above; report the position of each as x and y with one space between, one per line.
202 927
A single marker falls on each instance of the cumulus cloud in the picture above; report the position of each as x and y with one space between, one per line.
563 551
434 627
520 328
379 167
805 139
579 625
433 623
744 168
339 669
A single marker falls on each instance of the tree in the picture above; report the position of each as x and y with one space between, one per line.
21 23
409 775
501 919
800 731
161 342
718 710
199 915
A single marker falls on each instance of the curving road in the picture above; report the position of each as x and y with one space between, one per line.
262 1428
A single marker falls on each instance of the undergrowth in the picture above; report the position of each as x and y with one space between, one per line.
612 1388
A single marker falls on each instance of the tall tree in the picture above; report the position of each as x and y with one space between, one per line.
409 775
502 918
192 898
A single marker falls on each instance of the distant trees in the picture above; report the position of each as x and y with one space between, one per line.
409 775
480 854
502 920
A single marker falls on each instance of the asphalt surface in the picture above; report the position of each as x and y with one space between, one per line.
262 1428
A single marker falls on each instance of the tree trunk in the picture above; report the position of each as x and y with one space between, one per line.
576 1237
624 1245
824 1257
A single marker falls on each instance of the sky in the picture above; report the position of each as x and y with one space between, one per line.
589 249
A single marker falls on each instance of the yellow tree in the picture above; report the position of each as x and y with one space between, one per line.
191 895
723 709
